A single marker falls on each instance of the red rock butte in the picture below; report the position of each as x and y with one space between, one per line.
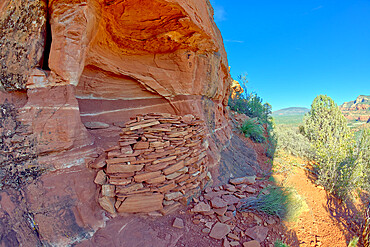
73 74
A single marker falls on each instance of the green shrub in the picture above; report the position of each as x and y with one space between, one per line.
292 142
252 129
250 104
274 202
271 139
342 164
279 243
285 203
360 163
353 242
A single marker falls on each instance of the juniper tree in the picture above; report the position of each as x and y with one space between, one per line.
326 128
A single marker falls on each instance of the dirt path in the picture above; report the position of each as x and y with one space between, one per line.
315 227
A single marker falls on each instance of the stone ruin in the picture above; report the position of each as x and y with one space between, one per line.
160 162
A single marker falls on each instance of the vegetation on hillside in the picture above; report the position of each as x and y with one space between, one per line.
259 126
292 142
340 159
251 128
342 164
290 111
276 201
250 104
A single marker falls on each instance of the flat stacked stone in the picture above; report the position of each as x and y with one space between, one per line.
160 160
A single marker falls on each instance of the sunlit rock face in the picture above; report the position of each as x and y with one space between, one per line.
68 64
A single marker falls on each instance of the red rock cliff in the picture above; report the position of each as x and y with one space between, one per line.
68 65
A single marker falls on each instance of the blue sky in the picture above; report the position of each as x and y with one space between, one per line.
294 50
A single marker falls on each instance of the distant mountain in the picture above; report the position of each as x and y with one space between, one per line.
290 111
358 109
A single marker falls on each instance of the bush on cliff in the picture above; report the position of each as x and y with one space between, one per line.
251 128
250 104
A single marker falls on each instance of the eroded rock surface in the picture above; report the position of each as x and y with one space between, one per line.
108 61
22 40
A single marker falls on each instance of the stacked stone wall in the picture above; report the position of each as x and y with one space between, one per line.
159 162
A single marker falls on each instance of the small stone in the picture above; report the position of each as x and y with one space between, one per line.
98 162
231 208
271 221
173 196
230 199
187 118
201 207
126 150
246 188
155 214
223 218
243 180
217 202
257 219
209 224
220 211
107 203
141 145
258 233
226 243
240 196
234 243
108 190
252 243
96 125
233 236
230 188
117 204
129 188
167 203
196 221
168 209
178 223
101 177
219 231
208 189
229 214
206 230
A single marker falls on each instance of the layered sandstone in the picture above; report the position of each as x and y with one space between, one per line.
69 88
358 109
